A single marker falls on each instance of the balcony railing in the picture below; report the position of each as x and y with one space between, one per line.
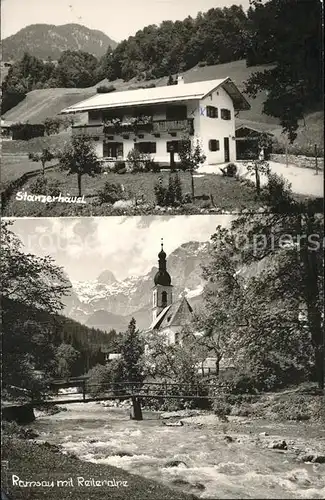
150 127
173 126
89 130
125 128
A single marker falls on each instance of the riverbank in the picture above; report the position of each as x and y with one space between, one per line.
270 446
65 476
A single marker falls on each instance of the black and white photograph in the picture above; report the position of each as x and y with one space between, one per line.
143 108
181 356
162 250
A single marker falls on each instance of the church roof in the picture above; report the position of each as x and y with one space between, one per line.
177 314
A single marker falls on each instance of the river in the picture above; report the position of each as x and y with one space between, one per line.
216 460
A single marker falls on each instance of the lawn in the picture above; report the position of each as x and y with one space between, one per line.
41 462
35 145
226 193
14 166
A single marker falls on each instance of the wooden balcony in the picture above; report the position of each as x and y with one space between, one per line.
89 130
173 126
153 127
125 128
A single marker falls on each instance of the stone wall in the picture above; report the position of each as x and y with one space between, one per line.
299 160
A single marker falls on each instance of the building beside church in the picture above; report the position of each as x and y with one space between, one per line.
169 316
155 120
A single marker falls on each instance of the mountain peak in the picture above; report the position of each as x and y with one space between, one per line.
106 278
49 40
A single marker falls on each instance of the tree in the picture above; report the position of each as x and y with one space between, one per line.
79 158
131 349
264 296
43 157
65 356
30 280
32 291
296 273
76 69
99 378
287 33
52 125
258 166
178 364
191 156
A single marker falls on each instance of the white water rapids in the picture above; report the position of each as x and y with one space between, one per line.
213 465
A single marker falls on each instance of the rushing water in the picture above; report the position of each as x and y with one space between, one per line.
217 460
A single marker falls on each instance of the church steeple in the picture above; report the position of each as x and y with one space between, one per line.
162 277
162 291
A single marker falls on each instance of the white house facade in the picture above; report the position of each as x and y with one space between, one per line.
156 120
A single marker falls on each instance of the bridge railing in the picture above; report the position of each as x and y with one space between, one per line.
128 389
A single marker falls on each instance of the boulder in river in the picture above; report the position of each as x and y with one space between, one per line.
174 424
279 445
175 463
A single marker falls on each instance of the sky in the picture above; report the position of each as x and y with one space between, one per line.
118 19
127 246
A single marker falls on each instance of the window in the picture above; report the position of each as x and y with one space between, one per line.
113 149
176 144
214 145
225 114
212 112
146 147
164 298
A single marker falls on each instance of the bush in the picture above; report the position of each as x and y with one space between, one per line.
170 196
111 193
187 198
43 185
155 167
230 170
53 125
204 204
221 407
39 185
119 167
137 161
105 89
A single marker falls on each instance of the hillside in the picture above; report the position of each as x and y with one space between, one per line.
40 104
48 102
48 40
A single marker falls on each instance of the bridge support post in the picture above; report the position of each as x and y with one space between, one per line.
136 411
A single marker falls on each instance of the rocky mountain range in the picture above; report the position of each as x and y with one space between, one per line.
108 303
48 40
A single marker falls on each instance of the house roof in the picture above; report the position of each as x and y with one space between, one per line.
5 123
266 128
177 314
156 95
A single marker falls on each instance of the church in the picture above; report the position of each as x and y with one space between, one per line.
168 316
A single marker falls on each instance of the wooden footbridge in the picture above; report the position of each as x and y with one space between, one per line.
136 391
